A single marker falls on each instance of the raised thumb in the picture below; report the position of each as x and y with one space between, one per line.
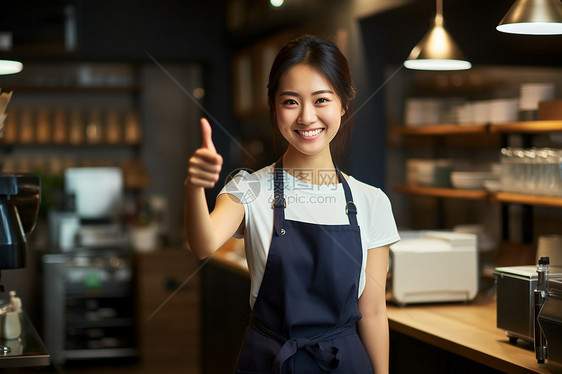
206 132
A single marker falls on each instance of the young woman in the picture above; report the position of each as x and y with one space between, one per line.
316 240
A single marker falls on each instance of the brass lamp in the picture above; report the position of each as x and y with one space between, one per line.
437 50
533 17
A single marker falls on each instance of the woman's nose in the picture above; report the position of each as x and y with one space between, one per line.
307 115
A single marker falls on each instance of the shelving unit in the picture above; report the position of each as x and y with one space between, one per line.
526 201
64 89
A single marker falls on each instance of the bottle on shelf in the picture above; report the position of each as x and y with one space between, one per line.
10 128
59 127
94 130
43 126
76 130
112 127
133 134
26 130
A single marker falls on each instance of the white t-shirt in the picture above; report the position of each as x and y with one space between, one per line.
319 204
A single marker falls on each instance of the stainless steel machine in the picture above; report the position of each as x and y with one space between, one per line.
88 278
88 306
515 299
529 307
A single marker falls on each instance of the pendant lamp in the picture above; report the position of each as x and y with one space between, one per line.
437 50
533 17
8 66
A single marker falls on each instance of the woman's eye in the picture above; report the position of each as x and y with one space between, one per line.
322 100
290 102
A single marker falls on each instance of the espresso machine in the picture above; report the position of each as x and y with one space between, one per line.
19 207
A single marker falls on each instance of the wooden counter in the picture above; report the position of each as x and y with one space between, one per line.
466 330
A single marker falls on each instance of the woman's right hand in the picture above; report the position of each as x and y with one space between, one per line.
205 164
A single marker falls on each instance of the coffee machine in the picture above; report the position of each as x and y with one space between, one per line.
20 195
19 207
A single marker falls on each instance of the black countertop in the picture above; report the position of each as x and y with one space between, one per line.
27 351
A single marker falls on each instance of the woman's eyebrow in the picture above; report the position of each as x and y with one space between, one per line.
289 93
319 92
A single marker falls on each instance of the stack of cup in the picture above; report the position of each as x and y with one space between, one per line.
530 96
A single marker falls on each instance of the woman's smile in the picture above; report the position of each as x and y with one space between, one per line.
309 134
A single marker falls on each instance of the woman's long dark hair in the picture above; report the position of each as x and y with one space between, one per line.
325 57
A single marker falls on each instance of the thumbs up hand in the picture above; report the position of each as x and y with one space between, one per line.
205 164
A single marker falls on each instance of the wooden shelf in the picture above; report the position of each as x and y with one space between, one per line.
492 197
509 197
527 127
443 129
451 193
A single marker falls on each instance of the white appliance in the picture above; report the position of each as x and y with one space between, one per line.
434 266
98 191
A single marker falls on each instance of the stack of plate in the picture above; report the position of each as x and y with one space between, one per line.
533 93
422 112
471 180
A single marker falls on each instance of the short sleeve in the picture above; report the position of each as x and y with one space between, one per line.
381 227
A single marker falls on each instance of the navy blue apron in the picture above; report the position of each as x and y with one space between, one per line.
305 317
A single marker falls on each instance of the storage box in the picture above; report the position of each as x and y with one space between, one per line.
434 266
550 110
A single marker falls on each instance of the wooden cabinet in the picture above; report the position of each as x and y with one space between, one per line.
226 313
168 305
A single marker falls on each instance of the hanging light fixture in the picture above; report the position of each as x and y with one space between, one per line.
533 17
8 66
437 50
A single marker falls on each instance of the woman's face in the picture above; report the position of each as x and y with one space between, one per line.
308 110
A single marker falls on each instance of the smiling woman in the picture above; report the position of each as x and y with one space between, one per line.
311 234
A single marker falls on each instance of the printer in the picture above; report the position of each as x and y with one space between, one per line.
433 266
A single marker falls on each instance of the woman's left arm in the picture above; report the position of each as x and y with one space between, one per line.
373 327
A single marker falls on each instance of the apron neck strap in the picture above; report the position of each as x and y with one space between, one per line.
350 208
279 204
